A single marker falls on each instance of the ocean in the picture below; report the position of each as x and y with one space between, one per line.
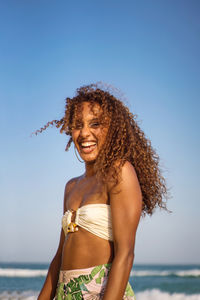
150 282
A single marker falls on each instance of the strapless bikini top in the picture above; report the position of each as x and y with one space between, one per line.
95 218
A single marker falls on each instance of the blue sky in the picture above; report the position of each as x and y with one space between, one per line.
147 49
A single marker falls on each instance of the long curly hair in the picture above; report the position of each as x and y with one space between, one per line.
125 141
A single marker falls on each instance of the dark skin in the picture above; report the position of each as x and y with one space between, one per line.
81 191
125 201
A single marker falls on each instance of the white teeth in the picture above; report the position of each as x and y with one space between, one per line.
88 144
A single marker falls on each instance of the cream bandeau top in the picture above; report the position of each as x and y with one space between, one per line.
95 218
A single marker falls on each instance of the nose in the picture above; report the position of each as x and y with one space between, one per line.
85 131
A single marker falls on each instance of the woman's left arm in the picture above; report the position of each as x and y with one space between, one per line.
126 207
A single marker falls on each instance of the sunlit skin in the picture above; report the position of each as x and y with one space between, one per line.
82 249
89 134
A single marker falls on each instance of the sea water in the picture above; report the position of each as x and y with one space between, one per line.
150 282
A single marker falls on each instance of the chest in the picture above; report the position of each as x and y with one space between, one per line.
86 192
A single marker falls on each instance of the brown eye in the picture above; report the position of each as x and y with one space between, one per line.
95 124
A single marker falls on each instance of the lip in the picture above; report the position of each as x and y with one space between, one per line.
87 147
87 144
88 150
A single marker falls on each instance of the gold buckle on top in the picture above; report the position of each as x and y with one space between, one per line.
72 227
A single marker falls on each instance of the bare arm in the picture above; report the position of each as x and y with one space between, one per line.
49 288
126 206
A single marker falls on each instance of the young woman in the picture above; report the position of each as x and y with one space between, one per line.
102 207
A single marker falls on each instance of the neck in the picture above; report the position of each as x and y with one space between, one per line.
89 169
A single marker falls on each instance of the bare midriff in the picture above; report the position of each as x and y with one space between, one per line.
83 249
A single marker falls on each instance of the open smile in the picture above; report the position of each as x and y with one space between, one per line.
87 147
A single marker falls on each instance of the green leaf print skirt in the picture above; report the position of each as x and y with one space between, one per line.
86 284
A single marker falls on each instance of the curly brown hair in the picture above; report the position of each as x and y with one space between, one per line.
125 141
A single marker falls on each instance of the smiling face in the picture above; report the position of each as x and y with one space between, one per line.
88 133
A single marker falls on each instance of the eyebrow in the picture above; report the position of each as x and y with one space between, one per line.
90 120
94 119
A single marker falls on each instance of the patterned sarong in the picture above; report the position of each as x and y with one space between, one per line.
86 284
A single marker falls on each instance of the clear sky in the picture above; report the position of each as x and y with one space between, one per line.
147 49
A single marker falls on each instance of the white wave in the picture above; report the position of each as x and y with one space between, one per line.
21 273
6 272
145 295
26 295
194 272
184 273
158 295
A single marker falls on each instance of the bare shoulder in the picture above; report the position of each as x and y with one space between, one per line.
70 184
68 187
127 176
128 170
128 186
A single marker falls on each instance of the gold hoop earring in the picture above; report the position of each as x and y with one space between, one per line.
82 161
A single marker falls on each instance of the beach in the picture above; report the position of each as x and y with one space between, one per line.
150 282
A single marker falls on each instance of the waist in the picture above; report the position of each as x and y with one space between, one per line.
66 275
78 247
